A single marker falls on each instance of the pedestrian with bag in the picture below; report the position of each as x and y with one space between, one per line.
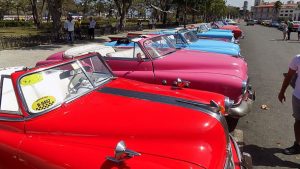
292 78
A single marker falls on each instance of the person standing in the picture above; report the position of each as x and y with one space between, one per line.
78 28
92 26
294 66
69 28
284 30
290 28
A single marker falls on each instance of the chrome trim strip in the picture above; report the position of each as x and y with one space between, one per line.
12 119
237 148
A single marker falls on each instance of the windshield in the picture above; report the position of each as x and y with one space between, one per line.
190 36
202 28
51 87
159 46
175 39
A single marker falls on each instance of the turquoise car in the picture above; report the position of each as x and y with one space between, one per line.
205 32
188 39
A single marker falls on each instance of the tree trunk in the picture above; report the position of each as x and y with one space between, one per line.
35 14
55 10
123 7
177 13
193 16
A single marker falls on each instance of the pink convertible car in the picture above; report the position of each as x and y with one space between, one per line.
154 59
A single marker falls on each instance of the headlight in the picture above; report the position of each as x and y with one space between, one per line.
244 86
229 159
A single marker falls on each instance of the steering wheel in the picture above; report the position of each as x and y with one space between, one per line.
77 79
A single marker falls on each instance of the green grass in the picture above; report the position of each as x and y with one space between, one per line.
19 31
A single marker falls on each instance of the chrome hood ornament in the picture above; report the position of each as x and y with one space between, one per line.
122 153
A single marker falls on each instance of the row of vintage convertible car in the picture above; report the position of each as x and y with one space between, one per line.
172 96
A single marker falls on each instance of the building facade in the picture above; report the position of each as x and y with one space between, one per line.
257 2
267 11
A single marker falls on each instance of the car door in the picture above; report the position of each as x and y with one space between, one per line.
11 125
131 64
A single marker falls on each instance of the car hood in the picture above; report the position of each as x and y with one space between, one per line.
223 50
192 61
231 27
220 30
204 43
217 34
122 110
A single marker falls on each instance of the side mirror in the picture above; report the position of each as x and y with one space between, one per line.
139 57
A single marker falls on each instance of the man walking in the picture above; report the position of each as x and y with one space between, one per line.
69 28
92 26
293 69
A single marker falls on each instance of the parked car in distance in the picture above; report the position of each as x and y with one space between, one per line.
231 22
156 60
275 24
77 114
235 29
205 32
266 22
250 22
183 38
296 25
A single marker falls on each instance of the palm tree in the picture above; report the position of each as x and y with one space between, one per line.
277 7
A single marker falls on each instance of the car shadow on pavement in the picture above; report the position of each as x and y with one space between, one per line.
266 157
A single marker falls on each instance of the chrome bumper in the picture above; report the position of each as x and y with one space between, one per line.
244 107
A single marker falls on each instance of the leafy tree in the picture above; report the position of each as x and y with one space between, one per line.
277 7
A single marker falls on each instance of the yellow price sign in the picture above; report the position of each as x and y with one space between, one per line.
31 79
43 103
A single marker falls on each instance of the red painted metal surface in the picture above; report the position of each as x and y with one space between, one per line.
83 132
235 29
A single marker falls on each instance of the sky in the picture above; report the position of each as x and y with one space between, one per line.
240 3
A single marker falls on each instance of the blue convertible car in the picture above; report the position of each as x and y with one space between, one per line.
205 32
187 39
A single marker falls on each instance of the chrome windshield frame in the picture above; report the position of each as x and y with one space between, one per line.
74 60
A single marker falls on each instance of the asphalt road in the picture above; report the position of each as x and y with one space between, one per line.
267 132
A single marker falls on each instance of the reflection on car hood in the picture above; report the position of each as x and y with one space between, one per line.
102 118
192 61
205 43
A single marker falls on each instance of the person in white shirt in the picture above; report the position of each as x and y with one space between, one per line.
69 28
294 67
92 26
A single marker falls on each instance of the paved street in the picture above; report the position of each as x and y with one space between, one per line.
267 132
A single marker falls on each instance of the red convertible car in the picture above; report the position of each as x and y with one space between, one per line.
156 60
76 114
